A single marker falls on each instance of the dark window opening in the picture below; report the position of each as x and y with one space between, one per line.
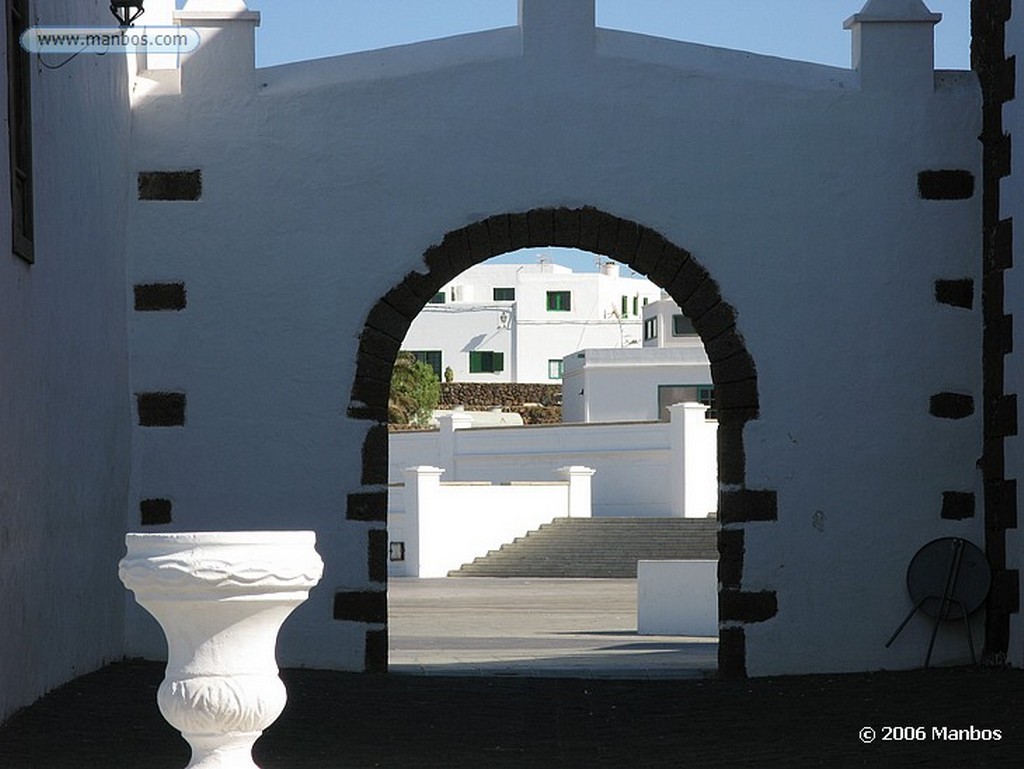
19 108
559 301
682 326
669 395
486 362
504 294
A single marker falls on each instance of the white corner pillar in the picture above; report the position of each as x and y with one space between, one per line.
422 497
558 29
694 454
447 441
894 45
580 500
225 61
159 13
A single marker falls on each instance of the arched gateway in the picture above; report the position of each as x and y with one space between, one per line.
668 266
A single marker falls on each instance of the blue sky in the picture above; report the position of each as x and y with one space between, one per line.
808 30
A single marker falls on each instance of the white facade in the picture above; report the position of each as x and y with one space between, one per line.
635 385
65 409
818 253
531 315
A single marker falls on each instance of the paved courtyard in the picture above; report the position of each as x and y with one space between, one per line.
533 675
533 627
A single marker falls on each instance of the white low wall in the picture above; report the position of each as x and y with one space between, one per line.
644 469
441 526
677 598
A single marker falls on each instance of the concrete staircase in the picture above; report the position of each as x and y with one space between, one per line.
597 547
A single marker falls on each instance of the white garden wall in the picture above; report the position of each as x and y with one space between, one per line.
644 469
441 526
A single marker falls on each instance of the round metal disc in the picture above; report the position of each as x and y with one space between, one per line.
931 568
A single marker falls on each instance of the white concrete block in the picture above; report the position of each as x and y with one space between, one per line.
677 598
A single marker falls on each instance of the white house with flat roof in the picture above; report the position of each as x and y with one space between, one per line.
636 385
640 383
516 322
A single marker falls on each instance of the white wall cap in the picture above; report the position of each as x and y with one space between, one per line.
216 10
425 470
216 5
893 11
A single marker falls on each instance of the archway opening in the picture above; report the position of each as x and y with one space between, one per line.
669 267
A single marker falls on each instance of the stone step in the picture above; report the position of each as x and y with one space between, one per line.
597 547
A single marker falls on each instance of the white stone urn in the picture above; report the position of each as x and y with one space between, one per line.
221 598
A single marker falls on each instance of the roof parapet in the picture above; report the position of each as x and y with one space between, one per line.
894 45
562 30
226 57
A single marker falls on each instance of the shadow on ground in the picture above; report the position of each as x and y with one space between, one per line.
109 719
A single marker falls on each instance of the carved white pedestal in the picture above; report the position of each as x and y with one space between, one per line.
221 598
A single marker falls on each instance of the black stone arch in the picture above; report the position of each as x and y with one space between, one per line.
667 265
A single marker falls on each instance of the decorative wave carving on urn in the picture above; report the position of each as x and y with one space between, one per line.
272 561
180 571
220 704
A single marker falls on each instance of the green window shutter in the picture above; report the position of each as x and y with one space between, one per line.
559 301
486 362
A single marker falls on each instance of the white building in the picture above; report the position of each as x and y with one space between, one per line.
639 384
516 322
635 385
65 416
665 325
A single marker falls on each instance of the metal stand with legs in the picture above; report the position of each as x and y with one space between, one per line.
964 575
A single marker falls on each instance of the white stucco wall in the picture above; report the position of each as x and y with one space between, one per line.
64 412
444 525
813 230
657 469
